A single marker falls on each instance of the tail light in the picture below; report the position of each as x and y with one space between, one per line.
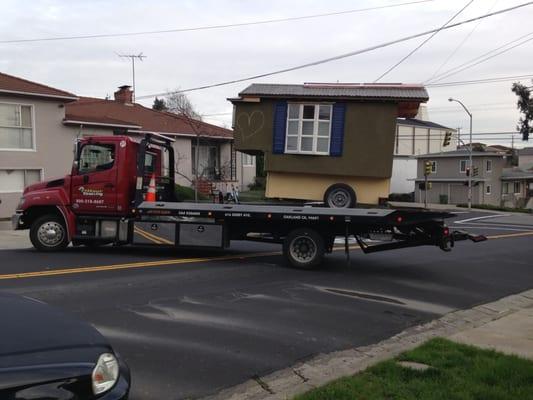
446 231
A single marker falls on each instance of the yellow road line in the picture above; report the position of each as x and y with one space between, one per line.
155 238
135 230
507 235
141 264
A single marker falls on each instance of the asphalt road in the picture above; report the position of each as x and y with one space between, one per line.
191 323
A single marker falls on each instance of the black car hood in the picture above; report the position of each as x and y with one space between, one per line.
33 333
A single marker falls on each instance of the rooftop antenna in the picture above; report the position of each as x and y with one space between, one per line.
139 56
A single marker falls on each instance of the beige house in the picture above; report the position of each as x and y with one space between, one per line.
34 142
38 126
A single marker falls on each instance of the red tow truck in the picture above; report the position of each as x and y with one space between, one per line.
103 201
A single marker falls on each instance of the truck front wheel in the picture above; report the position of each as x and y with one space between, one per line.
48 233
304 248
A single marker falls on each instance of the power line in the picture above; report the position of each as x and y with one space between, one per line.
479 81
341 56
211 27
423 42
481 58
459 45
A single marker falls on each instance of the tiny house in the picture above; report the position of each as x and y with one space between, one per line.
324 142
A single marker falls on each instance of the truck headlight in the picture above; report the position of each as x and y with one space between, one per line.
105 373
21 202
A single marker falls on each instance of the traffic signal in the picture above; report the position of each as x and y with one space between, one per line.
447 139
475 171
467 171
427 168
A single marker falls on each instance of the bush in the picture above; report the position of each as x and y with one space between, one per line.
405 197
258 184
184 193
443 199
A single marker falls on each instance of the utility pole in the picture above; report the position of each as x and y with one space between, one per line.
139 56
458 135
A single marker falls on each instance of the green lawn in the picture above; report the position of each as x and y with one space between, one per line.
252 196
458 372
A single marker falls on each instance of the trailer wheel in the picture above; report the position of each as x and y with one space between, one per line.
303 248
340 195
49 233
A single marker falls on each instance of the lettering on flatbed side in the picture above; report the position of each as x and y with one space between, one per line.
238 215
193 213
301 217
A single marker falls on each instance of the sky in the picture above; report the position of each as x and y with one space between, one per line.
181 60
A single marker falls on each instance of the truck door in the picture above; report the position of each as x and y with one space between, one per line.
94 185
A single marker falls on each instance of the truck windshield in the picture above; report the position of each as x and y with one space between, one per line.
96 157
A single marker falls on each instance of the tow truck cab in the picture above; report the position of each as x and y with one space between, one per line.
108 180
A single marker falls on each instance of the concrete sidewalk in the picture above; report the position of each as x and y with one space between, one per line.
10 239
505 325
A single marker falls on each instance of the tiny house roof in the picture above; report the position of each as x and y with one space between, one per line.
356 91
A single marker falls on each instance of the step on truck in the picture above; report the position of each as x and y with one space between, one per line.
108 198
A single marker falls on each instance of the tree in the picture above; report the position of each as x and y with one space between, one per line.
525 105
159 105
178 103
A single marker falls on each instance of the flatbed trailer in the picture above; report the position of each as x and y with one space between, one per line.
105 201
306 233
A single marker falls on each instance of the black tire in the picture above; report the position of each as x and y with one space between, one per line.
303 249
340 195
49 233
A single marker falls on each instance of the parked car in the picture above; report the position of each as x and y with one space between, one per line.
46 354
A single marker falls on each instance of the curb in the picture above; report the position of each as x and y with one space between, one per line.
324 368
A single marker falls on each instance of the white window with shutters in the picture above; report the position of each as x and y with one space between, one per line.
308 129
17 127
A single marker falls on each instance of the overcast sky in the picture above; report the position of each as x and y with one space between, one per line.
91 67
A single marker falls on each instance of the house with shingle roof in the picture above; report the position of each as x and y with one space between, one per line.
324 141
218 162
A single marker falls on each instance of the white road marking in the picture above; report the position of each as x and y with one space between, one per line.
478 218
482 227
375 297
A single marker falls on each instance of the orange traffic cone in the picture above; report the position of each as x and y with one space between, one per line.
150 195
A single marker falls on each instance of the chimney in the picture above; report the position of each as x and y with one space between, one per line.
124 94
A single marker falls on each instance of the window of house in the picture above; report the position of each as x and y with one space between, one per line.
505 188
16 127
463 165
488 189
433 167
308 128
96 157
488 166
248 160
15 180
516 187
208 161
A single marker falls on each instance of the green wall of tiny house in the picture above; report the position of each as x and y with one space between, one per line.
369 133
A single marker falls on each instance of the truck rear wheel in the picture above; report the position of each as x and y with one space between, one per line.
340 195
304 248
49 233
